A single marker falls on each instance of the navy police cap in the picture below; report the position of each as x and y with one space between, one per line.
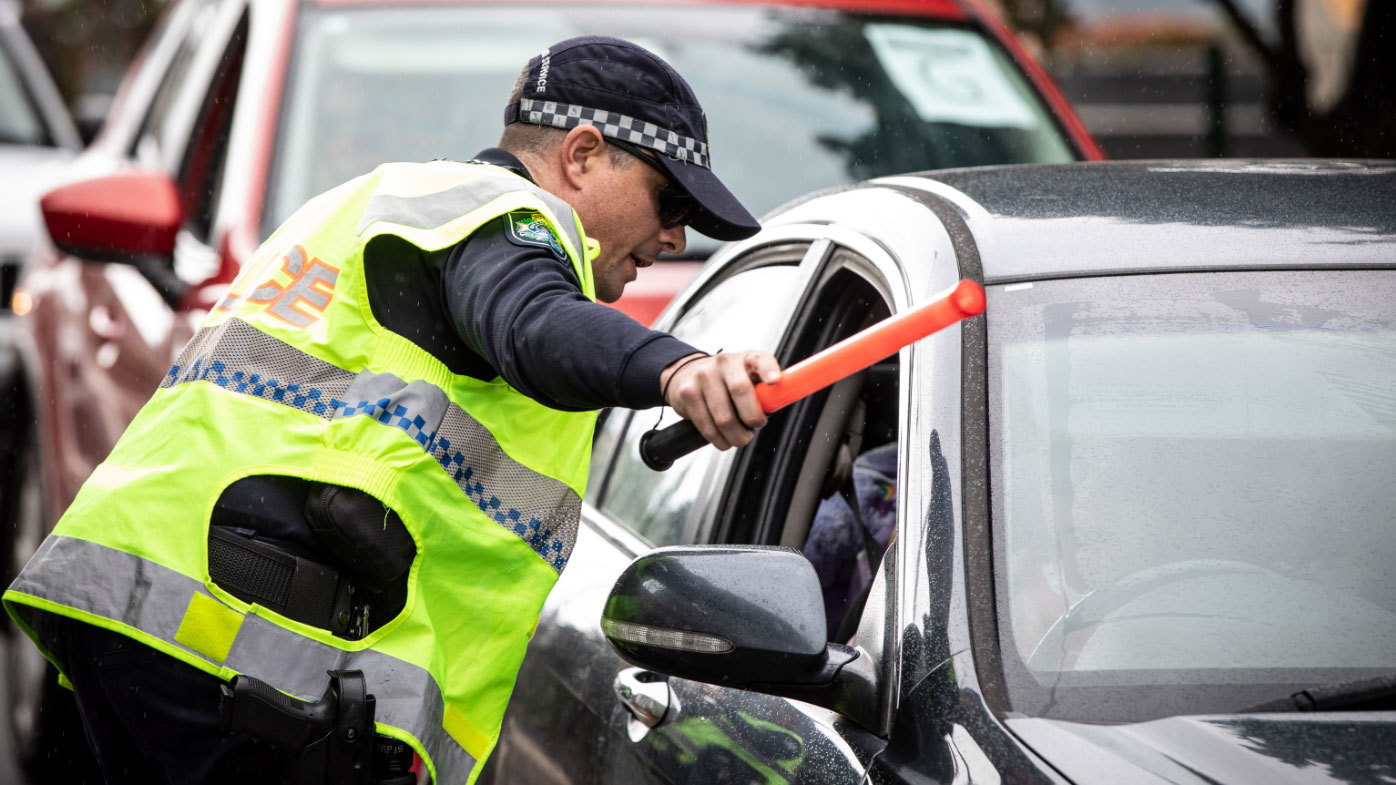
628 93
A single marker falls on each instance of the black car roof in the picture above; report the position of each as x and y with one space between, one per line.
1038 221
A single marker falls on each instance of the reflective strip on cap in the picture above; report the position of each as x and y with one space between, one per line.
154 599
239 358
615 125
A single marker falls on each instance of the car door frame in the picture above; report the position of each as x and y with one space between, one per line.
939 725
886 274
714 708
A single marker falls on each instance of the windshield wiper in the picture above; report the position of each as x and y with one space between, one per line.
1365 695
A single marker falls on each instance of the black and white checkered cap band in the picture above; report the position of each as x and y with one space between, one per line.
618 126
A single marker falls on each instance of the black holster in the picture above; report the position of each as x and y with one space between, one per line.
331 741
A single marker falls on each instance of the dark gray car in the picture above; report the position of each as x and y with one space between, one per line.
1137 518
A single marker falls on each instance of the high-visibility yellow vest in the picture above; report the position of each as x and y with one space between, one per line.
292 375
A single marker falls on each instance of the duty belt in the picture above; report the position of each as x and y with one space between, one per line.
295 587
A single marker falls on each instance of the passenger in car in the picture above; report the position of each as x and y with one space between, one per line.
846 543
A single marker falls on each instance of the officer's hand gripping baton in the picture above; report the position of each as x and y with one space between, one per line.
660 449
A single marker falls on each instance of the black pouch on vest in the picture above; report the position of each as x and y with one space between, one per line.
261 573
368 540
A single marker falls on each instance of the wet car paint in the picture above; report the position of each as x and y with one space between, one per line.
934 597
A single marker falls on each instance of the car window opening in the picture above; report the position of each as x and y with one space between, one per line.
741 309
149 145
20 119
814 456
201 173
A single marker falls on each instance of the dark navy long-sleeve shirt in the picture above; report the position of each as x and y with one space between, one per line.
491 306
498 305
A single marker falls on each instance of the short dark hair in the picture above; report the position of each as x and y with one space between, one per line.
540 139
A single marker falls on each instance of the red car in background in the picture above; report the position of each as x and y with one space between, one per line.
238 111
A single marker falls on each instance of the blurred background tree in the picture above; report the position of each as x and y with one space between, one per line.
1154 78
1331 67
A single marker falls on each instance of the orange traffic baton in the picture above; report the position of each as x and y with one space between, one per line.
659 449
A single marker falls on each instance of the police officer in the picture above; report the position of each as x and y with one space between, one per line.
371 456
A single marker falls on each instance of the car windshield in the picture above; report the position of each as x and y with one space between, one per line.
19 118
798 99
1192 489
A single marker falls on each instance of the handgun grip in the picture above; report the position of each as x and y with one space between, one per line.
261 711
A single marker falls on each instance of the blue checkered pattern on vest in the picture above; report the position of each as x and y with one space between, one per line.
315 401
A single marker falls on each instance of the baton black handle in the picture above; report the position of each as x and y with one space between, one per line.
659 449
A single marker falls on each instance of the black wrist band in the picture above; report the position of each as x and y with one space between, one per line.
664 391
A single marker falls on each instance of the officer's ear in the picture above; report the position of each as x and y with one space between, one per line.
584 154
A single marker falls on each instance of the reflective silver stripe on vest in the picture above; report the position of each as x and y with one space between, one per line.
144 595
238 357
433 210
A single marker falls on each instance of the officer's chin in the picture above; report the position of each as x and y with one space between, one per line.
606 295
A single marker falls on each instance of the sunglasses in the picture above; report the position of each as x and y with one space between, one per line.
676 208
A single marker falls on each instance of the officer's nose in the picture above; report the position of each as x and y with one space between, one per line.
673 240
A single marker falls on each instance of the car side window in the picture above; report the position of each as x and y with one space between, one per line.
746 310
822 476
201 172
150 140
20 121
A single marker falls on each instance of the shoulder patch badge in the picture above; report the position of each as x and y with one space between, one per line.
529 228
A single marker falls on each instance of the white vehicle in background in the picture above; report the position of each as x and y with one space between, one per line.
37 136
38 139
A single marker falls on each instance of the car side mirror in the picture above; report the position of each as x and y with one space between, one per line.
124 217
131 218
748 617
